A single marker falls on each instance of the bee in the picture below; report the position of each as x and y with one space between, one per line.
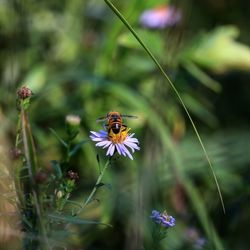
115 121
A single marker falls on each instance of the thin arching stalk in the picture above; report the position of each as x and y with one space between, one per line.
125 22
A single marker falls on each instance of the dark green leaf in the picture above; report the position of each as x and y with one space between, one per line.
103 184
75 220
57 168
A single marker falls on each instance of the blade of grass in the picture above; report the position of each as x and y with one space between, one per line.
125 22
29 146
205 79
58 138
77 147
31 160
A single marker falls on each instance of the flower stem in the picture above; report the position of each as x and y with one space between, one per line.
95 187
68 152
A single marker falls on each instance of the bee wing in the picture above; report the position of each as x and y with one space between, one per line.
129 116
101 119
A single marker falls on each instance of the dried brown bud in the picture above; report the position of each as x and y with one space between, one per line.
15 153
24 93
73 175
41 177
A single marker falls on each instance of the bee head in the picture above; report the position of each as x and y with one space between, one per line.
114 115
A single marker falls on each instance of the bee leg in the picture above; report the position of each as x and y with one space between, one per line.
124 127
105 126
109 132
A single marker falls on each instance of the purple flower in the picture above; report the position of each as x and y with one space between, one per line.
119 142
163 218
156 216
160 17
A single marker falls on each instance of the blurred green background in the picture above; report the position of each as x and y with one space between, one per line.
78 58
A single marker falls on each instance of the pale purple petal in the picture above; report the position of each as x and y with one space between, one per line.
132 145
96 138
108 150
108 143
111 150
101 134
96 134
103 143
127 152
128 145
118 148
122 147
132 140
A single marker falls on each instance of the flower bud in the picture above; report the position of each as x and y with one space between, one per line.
15 153
24 93
72 125
59 194
73 175
41 177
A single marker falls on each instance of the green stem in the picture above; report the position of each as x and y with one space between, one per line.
95 187
68 152
121 17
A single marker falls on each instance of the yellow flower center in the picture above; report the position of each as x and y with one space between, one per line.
119 137
167 216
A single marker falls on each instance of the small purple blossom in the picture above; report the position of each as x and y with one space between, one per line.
163 218
116 142
194 237
160 17
200 243
156 216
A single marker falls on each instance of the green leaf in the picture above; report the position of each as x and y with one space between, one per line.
218 51
109 186
26 103
205 79
197 108
77 204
